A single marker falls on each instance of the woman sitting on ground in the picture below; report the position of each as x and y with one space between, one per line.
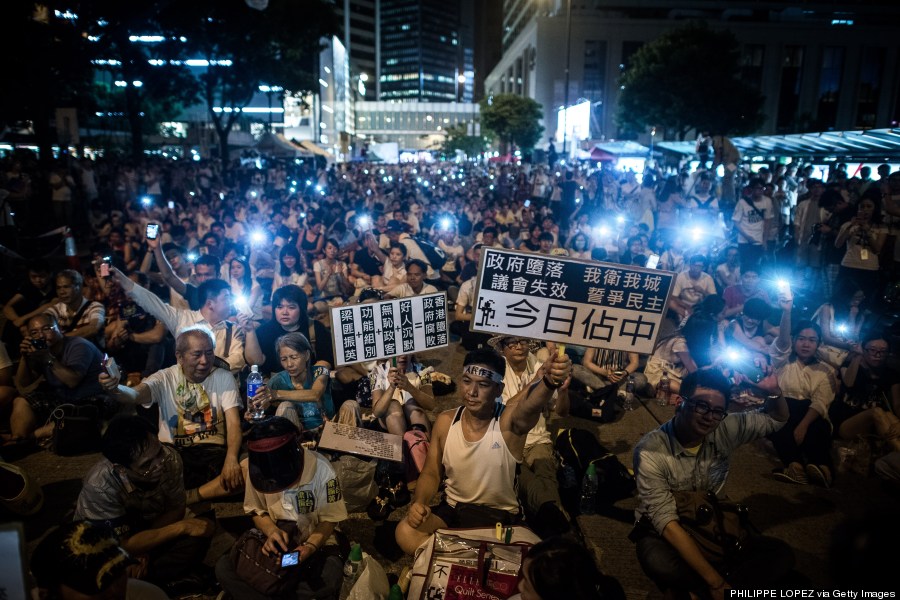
869 401
302 392
400 396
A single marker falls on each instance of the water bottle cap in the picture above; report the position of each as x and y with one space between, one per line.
592 469
254 369
356 552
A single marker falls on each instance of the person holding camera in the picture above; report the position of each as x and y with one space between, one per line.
69 367
691 452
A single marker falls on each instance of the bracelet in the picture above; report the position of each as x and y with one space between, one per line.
550 384
313 546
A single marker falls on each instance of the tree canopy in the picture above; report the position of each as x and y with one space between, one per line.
689 78
52 49
512 120
458 138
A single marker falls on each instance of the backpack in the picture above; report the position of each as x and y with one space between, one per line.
576 449
434 255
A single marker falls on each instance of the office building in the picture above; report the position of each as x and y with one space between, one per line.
820 66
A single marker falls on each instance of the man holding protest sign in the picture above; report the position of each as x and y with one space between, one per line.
476 448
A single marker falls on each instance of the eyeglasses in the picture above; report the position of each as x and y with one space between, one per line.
877 351
703 408
44 329
521 342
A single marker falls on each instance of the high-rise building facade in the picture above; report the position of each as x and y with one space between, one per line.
422 56
359 33
820 65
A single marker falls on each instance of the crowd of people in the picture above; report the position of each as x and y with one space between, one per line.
195 275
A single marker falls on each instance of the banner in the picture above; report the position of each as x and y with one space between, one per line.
554 298
389 328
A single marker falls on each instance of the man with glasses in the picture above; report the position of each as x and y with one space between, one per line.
691 452
137 489
538 486
69 367
216 304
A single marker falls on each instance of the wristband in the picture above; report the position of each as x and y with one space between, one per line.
550 384
311 545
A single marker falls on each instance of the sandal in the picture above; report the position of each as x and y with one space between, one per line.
793 473
819 474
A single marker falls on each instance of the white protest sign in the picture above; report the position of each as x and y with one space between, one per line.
389 328
365 442
554 298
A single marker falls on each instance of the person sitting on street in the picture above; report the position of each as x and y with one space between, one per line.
476 449
215 308
137 490
302 391
81 561
199 412
869 399
69 367
538 485
415 285
291 489
692 452
809 384
77 316
400 396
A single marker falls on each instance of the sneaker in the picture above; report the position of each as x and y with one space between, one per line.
819 474
793 473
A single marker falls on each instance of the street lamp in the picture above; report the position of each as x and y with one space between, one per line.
460 86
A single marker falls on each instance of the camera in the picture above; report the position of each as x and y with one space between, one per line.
290 559
39 343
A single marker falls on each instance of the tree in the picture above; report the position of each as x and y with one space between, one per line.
131 44
513 120
245 47
689 78
45 64
458 138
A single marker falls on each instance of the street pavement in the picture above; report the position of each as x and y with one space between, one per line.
804 516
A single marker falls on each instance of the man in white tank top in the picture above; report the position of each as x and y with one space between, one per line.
476 450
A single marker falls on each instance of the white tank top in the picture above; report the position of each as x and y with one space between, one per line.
482 472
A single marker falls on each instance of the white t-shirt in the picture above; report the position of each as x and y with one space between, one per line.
513 383
176 399
315 498
404 291
752 219
692 291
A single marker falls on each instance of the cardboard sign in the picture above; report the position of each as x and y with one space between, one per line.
586 303
389 328
364 442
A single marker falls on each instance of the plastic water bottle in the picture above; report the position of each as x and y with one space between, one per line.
588 504
254 382
662 390
351 569
629 394
396 593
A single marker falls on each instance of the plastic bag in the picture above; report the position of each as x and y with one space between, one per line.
372 583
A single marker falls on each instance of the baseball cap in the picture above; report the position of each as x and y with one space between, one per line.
395 225
276 460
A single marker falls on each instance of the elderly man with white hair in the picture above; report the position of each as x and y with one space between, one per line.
199 414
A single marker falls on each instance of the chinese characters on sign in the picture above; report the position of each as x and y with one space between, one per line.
365 442
571 301
389 328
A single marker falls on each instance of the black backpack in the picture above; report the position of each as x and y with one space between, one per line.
576 449
434 255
